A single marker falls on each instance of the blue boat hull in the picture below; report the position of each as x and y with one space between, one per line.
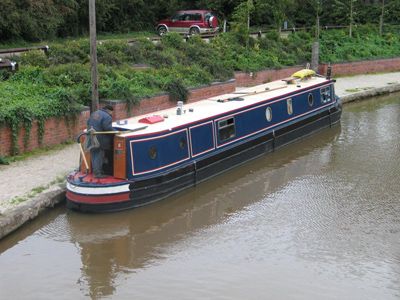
152 189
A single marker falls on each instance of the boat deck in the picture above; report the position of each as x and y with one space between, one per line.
214 106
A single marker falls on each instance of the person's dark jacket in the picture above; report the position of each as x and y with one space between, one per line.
101 120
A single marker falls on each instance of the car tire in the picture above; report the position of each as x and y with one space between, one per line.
162 30
194 31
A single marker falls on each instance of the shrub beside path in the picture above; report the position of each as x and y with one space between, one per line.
21 184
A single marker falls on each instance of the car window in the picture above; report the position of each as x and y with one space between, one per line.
208 15
193 17
189 17
179 17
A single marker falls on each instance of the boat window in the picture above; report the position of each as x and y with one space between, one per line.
289 106
152 152
182 143
226 129
310 99
326 94
268 114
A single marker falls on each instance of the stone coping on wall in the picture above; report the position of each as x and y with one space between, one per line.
360 61
361 66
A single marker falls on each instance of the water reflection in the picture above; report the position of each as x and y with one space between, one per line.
125 242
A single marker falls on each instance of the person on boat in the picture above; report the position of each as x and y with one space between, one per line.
100 120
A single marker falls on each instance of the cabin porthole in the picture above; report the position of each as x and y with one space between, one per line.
182 143
310 99
268 114
152 152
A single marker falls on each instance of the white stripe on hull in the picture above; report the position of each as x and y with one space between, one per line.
96 190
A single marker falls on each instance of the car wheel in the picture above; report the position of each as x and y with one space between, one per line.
194 31
162 30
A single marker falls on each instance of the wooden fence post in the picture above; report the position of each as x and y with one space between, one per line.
93 56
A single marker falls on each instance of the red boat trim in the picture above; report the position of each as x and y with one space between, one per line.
97 199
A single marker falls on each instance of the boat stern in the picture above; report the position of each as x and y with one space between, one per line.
88 194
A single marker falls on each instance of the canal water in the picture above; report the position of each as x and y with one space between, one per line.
319 219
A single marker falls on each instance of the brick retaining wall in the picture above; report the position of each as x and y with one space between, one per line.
362 66
57 132
345 68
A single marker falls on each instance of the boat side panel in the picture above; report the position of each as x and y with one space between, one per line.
202 139
168 152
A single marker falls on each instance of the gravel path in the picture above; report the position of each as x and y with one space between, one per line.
19 178
349 85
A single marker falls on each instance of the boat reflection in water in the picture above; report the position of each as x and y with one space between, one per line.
115 244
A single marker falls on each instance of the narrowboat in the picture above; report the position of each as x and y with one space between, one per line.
157 155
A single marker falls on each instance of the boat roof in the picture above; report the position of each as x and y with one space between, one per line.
168 119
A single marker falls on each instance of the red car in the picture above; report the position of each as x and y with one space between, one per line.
189 22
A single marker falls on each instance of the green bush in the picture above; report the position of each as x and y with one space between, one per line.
68 75
27 75
173 40
34 58
158 59
145 44
3 160
177 90
133 54
365 30
70 52
25 97
4 74
337 46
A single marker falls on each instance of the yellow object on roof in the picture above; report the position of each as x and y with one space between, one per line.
303 73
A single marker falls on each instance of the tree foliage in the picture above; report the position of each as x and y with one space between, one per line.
241 21
36 20
279 8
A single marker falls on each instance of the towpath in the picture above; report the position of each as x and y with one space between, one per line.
27 187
